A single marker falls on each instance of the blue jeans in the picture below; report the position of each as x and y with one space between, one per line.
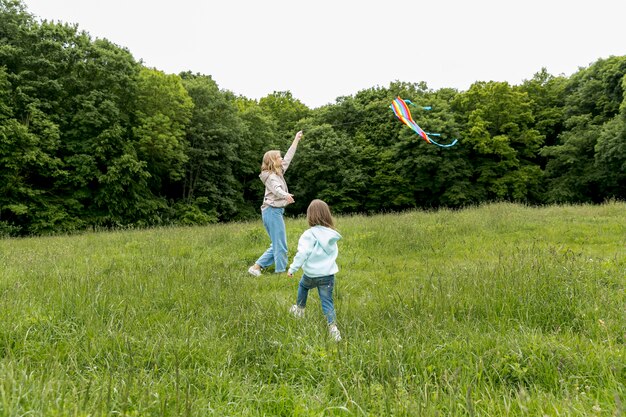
275 227
325 287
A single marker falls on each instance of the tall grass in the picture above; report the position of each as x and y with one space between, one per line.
496 310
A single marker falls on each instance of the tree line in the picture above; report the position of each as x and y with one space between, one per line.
92 138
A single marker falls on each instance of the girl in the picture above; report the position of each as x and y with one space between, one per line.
273 208
317 253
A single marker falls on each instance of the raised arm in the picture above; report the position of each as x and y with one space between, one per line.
291 151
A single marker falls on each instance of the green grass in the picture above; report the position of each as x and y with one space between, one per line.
496 310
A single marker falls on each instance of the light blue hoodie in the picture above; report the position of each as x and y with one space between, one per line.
317 252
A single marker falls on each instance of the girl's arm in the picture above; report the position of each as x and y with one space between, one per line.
305 247
291 151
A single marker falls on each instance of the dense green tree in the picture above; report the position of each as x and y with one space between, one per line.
286 111
398 169
570 170
90 137
15 24
109 178
593 99
380 139
366 169
610 153
501 143
32 203
596 90
344 130
214 137
327 166
346 116
610 157
258 136
84 91
440 176
547 95
25 159
163 112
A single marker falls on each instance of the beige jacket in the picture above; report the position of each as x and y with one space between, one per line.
276 190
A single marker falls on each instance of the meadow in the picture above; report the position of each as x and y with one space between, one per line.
497 310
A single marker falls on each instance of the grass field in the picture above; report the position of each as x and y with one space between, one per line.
490 311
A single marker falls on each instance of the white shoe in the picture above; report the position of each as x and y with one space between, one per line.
296 311
253 271
334 332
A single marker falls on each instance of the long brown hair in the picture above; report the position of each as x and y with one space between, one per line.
271 163
318 214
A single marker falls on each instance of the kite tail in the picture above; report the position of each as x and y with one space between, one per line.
444 146
439 144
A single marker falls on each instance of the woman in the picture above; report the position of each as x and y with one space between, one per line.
276 198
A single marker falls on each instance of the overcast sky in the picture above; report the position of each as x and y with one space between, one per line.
322 49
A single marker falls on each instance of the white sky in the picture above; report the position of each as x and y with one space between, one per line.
322 49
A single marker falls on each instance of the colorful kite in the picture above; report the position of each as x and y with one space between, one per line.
401 110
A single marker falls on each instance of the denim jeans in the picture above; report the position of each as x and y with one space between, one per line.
325 287
275 227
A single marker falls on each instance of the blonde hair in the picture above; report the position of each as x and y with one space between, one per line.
271 162
318 214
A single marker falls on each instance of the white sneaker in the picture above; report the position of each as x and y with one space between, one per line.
296 311
253 271
334 332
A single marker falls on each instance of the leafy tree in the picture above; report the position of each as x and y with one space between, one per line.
574 172
108 176
32 203
396 169
214 137
501 142
326 166
365 166
163 113
547 95
344 130
380 140
258 136
74 96
440 176
610 156
287 111
570 169
88 136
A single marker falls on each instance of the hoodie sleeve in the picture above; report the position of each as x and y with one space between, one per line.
305 247
289 155
276 187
